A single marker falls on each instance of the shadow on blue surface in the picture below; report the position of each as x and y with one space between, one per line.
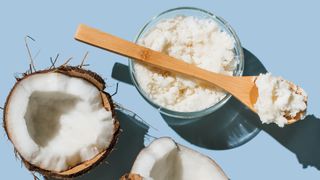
301 138
120 161
234 124
228 127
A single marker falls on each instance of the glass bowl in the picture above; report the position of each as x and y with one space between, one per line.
199 13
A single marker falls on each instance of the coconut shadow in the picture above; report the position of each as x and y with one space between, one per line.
120 161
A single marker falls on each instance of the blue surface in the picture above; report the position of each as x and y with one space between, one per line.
283 35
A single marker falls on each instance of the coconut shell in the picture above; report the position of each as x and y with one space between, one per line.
131 176
107 102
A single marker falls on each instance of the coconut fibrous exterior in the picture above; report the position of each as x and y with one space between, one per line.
60 121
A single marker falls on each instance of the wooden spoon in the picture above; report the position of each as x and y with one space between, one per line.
243 88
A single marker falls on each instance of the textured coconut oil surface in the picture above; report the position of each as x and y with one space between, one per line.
277 100
200 42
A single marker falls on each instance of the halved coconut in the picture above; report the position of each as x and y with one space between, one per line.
164 159
60 121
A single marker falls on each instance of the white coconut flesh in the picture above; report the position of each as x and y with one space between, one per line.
57 121
164 159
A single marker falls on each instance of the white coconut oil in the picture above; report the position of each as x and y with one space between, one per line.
278 99
200 42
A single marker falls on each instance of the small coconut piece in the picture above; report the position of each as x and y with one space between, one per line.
164 159
131 177
60 121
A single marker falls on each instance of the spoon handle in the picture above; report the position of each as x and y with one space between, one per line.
126 48
240 87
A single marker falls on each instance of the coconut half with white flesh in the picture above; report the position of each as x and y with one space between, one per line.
60 121
164 159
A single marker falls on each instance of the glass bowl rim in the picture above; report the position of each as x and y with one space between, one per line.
193 114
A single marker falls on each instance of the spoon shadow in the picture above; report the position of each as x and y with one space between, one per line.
119 162
301 138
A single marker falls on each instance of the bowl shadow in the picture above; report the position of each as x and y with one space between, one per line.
120 161
225 128
237 125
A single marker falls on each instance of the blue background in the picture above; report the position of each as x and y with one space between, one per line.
284 35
